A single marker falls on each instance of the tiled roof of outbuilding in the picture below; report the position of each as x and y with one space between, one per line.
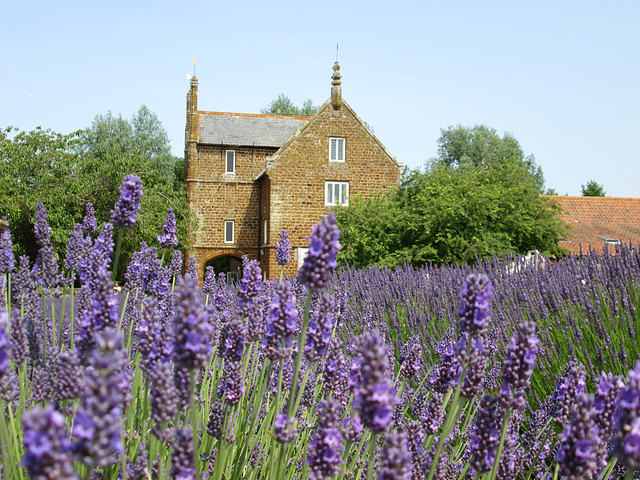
244 129
591 220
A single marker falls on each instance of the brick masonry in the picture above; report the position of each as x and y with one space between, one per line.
283 186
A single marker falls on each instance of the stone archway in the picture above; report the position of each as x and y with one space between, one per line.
229 265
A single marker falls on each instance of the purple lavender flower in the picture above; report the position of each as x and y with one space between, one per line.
486 435
605 403
374 396
191 347
249 304
128 204
175 266
411 358
320 328
41 229
46 446
326 443
284 428
626 441
51 276
352 429
169 238
89 222
162 392
395 461
7 259
283 249
518 365
282 323
475 306
97 426
216 419
232 382
66 376
9 389
99 254
323 252
192 270
336 372
579 442
75 248
183 460
567 389
209 282
18 338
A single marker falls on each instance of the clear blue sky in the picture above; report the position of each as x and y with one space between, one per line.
562 77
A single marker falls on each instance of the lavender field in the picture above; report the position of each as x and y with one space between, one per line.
487 371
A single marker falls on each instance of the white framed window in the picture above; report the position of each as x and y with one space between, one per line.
229 231
336 193
231 161
265 236
299 255
336 149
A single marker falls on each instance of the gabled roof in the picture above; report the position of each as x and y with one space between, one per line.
594 220
244 129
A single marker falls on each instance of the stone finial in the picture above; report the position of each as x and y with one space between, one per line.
336 88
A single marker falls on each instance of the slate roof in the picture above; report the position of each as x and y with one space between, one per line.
592 220
245 129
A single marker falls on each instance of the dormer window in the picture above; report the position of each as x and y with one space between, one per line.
231 161
336 150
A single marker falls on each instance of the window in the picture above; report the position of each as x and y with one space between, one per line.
229 231
266 233
299 255
336 193
231 161
336 149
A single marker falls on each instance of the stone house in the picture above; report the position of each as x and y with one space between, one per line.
249 176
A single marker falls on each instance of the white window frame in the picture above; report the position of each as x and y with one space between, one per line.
330 189
337 149
226 161
233 231
299 255
265 236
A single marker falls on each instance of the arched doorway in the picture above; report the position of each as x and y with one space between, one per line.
231 266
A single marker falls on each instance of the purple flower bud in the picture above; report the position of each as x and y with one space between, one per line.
183 460
191 329
89 223
411 358
209 282
9 389
375 395
232 340
192 270
128 204
175 267
75 248
283 249
7 259
41 229
567 389
284 428
395 461
626 441
320 328
281 324
232 382
46 446
162 392
326 447
169 238
352 429
475 306
249 304
518 365
486 435
323 252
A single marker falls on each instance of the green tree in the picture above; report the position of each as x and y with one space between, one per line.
144 135
44 166
480 146
593 189
451 212
284 106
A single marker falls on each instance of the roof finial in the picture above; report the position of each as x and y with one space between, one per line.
336 88
336 52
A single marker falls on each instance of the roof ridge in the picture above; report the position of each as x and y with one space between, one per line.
260 115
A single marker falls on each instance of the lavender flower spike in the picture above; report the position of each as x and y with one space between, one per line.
46 446
626 441
283 249
7 259
395 463
89 222
169 238
326 446
41 229
475 307
518 365
128 204
323 252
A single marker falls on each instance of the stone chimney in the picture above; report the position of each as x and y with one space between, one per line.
336 89
191 137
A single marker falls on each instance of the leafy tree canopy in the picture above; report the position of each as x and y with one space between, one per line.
284 106
45 166
479 147
143 135
593 189
451 213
